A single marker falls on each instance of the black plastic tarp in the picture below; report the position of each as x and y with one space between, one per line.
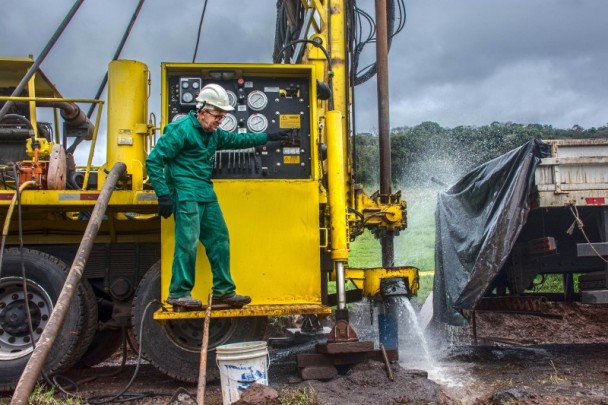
477 222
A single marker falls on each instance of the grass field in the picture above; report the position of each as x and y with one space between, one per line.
415 246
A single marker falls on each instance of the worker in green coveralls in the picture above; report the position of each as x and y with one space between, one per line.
180 168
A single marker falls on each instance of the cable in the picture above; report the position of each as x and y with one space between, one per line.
9 214
103 399
330 73
361 75
287 28
75 384
200 27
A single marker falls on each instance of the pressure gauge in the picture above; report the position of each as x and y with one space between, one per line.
185 85
257 123
231 98
229 123
187 97
196 85
257 100
177 116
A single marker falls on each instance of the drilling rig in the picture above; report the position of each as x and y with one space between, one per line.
292 208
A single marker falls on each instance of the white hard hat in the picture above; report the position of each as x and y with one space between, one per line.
213 95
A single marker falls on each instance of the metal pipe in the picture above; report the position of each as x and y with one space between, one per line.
393 291
42 56
202 371
386 241
340 285
123 41
382 90
72 115
49 334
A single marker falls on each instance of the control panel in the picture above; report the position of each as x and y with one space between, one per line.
262 102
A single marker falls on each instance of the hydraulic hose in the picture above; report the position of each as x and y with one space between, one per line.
49 334
9 215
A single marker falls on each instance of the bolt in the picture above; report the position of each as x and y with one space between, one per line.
39 331
11 339
14 297
2 305
45 317
26 339
41 304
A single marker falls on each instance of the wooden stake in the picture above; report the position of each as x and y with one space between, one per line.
202 375
389 370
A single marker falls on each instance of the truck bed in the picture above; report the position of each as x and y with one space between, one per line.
576 172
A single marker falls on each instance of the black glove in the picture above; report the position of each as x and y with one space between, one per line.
279 136
165 206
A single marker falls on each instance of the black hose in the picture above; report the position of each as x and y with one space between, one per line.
318 44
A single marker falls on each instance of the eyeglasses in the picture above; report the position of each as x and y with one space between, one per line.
217 117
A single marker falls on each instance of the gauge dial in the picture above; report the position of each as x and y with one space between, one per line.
257 123
177 116
195 85
257 100
229 123
231 98
187 97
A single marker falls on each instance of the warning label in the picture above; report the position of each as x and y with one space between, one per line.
289 121
291 159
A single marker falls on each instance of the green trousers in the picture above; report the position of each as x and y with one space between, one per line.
204 222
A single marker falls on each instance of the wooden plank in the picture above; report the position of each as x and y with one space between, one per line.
392 354
343 359
313 359
345 347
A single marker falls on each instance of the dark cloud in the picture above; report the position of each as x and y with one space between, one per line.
474 62
466 62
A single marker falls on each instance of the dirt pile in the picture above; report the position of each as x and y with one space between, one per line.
367 383
570 323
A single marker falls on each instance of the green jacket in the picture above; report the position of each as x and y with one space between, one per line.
181 162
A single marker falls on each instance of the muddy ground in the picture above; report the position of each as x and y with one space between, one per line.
519 359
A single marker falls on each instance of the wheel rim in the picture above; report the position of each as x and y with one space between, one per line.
188 334
15 339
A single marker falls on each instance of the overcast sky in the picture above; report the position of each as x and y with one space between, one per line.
467 62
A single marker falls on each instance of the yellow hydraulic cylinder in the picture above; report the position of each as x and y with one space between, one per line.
335 179
127 113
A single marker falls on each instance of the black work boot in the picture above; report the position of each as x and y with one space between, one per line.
186 301
234 300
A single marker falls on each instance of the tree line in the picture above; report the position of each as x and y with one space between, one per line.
428 152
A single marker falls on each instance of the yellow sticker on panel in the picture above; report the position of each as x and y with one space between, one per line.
289 121
291 159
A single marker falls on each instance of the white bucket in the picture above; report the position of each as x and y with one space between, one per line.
241 365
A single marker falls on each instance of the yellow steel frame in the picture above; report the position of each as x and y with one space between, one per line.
166 313
368 279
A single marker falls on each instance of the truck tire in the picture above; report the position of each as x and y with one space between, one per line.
104 342
45 276
89 328
174 347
